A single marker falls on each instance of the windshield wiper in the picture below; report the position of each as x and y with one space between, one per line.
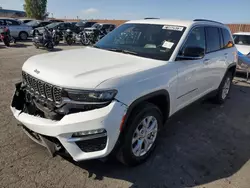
122 51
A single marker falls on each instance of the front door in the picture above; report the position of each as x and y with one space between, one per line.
191 70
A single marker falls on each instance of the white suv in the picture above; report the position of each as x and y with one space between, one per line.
117 95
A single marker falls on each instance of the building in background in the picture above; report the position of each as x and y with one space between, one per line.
11 13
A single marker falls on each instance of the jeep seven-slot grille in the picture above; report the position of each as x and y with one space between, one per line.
45 90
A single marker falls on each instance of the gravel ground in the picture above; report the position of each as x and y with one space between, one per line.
204 146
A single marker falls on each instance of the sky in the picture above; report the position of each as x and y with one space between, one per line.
227 11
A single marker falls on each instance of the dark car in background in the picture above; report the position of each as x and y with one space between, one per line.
84 24
37 23
60 26
55 20
107 27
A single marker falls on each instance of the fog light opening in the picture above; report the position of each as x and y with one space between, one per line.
90 132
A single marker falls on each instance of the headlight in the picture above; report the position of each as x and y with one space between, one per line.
91 96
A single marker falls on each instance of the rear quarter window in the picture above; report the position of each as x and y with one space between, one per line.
227 39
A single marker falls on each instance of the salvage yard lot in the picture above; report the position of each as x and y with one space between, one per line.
204 145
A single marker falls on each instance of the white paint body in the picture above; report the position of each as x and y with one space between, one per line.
132 76
244 49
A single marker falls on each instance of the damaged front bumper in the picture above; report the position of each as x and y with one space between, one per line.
78 133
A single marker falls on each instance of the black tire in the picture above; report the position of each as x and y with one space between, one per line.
69 41
221 97
125 154
50 46
6 42
23 35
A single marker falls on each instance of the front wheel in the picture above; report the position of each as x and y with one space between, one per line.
224 89
141 135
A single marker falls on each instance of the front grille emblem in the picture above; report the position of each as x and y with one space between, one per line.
36 71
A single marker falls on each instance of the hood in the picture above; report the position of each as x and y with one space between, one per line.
244 49
85 68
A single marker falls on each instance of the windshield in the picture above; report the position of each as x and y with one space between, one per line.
97 26
33 23
52 25
242 39
145 40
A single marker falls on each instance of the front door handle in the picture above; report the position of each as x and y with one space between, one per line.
226 54
206 61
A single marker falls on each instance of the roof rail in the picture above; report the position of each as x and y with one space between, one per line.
201 20
150 18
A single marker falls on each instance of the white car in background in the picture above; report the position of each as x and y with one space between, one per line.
17 28
242 42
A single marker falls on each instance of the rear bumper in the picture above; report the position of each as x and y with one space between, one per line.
108 118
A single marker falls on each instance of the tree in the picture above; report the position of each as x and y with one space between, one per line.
36 9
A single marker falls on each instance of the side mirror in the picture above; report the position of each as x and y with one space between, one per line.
192 52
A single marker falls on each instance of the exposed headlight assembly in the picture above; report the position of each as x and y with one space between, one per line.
104 96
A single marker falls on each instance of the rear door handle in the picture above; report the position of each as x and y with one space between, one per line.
206 61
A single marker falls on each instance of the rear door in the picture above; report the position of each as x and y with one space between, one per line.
215 58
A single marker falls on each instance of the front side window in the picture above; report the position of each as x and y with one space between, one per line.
194 43
242 39
145 40
227 39
213 39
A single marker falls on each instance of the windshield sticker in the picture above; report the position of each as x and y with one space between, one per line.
174 28
167 44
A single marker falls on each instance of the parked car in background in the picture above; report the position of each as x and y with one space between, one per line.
117 95
17 28
242 42
60 26
102 26
84 24
25 20
55 20
37 23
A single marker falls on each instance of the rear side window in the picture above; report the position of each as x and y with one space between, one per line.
213 39
227 39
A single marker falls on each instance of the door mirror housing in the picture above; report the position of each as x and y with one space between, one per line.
191 52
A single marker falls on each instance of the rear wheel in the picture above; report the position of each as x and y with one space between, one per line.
140 137
224 89
23 35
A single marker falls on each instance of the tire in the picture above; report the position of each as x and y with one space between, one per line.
69 41
23 35
224 89
50 46
129 152
6 42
